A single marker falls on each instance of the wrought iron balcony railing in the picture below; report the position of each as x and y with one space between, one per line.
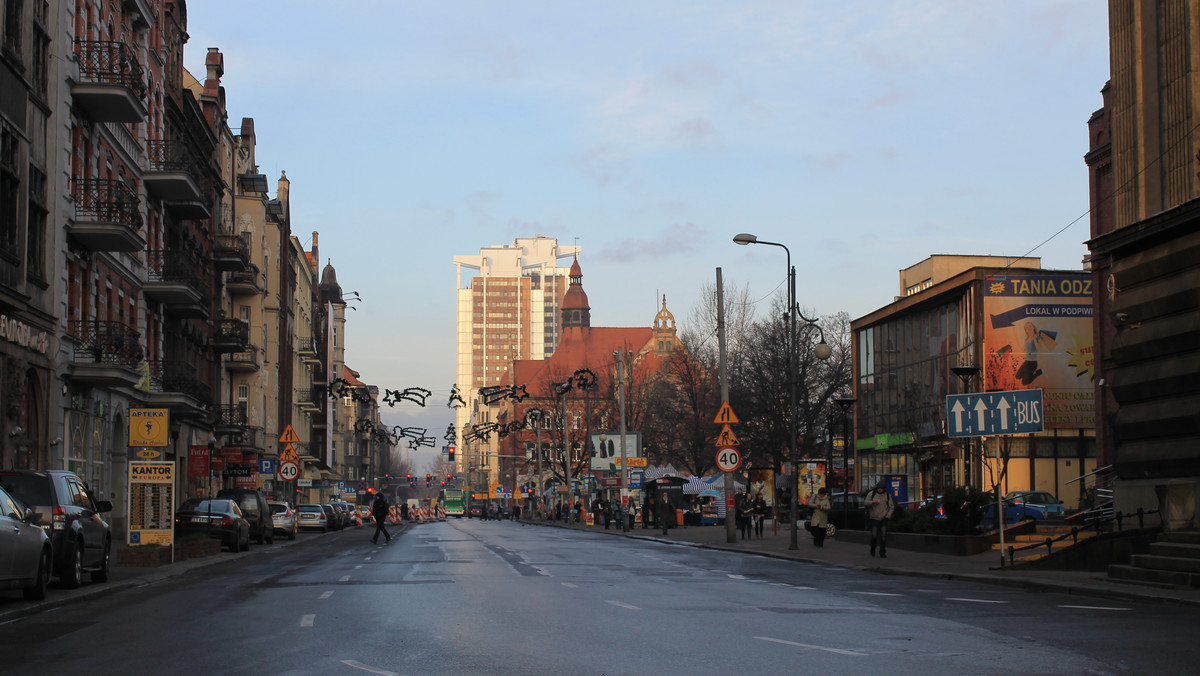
106 201
110 62
107 342
177 268
169 376
229 416
234 248
232 331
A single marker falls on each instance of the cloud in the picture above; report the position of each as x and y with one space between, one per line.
887 100
676 240
695 132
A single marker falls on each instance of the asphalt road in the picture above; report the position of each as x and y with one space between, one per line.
471 597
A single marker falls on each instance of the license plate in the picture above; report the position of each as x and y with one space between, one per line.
199 519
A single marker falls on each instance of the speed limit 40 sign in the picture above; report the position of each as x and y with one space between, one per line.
728 459
288 470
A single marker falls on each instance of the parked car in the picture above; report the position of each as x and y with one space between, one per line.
847 511
476 509
27 555
333 515
219 518
1044 500
283 519
346 513
1014 512
65 508
312 516
256 511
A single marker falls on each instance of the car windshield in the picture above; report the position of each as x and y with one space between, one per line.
278 508
202 505
311 508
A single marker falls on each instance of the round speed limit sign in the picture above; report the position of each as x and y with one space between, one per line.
288 470
728 459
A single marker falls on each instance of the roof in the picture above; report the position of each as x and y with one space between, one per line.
590 348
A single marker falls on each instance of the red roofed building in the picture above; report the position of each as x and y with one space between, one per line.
586 355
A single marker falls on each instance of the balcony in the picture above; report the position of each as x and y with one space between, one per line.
112 84
230 418
249 438
310 400
173 174
231 253
175 386
106 354
107 216
248 361
307 349
275 210
245 283
231 335
176 280
253 182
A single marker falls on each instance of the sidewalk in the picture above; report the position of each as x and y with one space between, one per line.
982 568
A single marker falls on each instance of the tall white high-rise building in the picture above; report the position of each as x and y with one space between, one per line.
509 299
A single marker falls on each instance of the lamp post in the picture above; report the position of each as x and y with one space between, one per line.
822 351
212 445
967 375
845 403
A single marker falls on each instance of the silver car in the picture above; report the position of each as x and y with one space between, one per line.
312 516
27 555
283 519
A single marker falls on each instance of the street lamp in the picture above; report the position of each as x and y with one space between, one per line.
822 351
212 445
845 403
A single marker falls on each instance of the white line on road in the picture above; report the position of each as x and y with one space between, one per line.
619 604
570 586
1096 607
325 595
875 593
839 651
344 578
369 669
955 598
307 620
358 566
735 577
367 559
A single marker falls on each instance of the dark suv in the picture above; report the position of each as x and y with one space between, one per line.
255 510
64 507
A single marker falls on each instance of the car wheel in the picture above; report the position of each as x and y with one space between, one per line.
271 537
101 573
292 534
324 529
38 591
72 575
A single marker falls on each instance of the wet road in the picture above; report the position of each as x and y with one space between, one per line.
470 597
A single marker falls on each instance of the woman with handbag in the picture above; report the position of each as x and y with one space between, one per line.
818 524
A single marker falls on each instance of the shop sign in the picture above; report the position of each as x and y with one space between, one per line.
17 331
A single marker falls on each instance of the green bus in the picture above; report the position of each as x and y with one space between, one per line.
451 500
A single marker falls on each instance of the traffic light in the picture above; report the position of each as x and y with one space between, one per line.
447 476
428 480
410 480
450 453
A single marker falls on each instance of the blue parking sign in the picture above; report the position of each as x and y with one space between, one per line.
266 466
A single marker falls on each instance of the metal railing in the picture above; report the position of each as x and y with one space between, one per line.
248 356
107 342
233 245
234 331
106 201
230 416
110 62
1097 524
175 267
171 376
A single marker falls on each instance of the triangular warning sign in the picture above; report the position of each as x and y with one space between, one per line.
727 438
726 416
289 436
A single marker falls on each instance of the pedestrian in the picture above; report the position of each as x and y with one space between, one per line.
379 510
648 510
880 506
742 512
819 521
664 514
760 514
517 513
404 512
578 510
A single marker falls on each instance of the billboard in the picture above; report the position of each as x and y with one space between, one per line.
1037 334
606 450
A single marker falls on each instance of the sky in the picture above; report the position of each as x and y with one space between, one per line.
865 135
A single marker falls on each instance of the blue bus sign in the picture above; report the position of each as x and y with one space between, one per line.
986 414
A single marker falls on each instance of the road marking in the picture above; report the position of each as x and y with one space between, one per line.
570 585
324 596
954 598
307 620
875 593
735 577
839 651
619 604
358 566
369 669
1096 607
367 559
344 578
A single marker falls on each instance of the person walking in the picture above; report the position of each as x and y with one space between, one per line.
379 510
760 514
742 510
880 506
819 522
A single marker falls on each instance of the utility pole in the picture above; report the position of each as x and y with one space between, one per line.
624 460
723 376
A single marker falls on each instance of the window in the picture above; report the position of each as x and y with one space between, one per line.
12 26
35 242
10 184
243 393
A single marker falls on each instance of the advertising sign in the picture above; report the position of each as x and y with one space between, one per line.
151 503
811 477
1038 334
198 460
606 449
762 482
148 426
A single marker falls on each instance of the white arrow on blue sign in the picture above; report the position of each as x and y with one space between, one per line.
994 413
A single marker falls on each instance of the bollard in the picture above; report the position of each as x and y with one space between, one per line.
1141 514
1049 546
